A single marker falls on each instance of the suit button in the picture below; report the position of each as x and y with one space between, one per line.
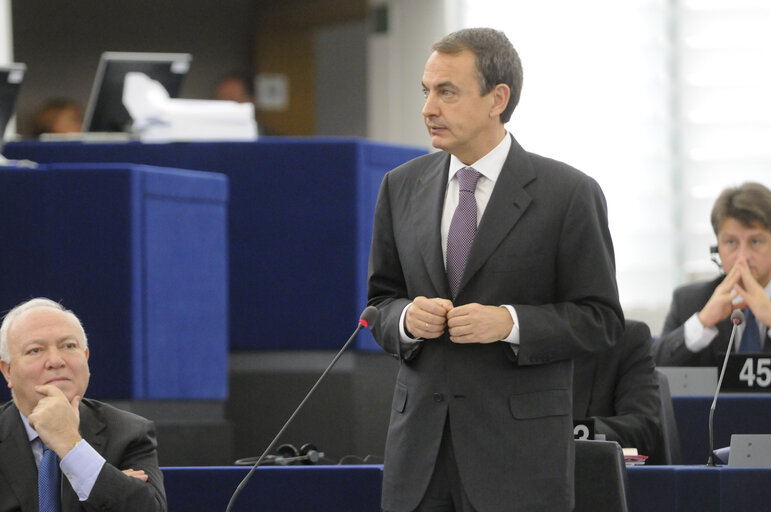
438 397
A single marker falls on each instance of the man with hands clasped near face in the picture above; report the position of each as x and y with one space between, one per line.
58 450
697 328
492 268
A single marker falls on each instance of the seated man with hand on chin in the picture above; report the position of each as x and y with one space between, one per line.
60 451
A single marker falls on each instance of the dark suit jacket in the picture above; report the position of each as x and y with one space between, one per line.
619 390
669 349
542 246
125 440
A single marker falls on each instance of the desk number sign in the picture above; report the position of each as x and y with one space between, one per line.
583 428
748 373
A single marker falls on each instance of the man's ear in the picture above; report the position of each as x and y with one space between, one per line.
6 369
501 96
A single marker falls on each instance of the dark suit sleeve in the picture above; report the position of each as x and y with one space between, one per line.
136 449
584 315
386 287
636 403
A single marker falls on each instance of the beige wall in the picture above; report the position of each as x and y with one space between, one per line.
395 67
284 45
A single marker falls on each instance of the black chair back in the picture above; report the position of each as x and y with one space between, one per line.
601 481
668 451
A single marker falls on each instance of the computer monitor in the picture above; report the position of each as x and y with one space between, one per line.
11 77
105 111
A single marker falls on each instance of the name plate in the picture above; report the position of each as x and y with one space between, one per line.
748 373
583 429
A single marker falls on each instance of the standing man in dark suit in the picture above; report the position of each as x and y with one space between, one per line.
101 458
492 268
697 328
619 390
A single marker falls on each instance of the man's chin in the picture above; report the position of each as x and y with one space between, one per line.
439 142
66 386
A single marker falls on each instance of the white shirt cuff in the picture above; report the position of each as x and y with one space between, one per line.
81 466
513 336
697 337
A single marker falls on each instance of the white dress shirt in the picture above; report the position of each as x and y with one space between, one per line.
489 166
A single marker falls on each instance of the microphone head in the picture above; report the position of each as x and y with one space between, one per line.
369 316
737 317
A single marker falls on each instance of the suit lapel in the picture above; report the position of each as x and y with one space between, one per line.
17 464
92 428
508 202
428 198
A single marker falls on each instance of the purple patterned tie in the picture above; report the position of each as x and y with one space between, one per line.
463 227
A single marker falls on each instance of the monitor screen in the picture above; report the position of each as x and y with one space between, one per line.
11 76
105 111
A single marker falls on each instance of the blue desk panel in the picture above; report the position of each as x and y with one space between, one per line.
300 226
358 489
734 414
139 254
277 489
699 488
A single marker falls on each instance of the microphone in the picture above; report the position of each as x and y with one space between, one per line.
367 318
737 318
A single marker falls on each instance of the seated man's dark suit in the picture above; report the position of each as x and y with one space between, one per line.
619 390
125 440
669 349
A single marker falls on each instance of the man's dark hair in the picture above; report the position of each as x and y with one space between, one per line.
496 59
748 203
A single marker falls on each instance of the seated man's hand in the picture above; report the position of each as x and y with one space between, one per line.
136 473
56 420
720 305
753 294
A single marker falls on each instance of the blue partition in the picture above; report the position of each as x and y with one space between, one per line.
277 489
140 254
735 413
300 225
691 488
358 488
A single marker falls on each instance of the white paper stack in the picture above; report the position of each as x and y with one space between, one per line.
159 118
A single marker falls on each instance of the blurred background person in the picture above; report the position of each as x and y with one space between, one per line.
235 87
58 115
239 87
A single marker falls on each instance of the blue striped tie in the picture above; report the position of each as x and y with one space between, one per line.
48 481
